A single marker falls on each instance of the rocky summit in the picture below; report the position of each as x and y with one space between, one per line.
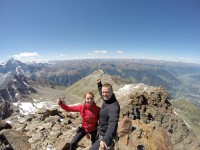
147 122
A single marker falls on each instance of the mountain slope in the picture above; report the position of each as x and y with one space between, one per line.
20 88
88 83
147 120
189 112
152 107
181 80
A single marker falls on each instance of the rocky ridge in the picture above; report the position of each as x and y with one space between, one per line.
152 116
18 87
147 121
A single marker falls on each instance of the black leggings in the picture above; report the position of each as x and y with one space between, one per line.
79 135
96 145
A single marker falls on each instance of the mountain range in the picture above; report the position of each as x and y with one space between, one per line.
181 80
148 119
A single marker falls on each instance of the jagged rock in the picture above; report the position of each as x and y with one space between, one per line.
4 125
18 87
4 94
151 106
17 140
52 119
124 126
145 136
63 144
22 120
5 109
48 132
52 112
146 116
41 111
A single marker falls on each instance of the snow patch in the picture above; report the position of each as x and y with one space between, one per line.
125 89
8 121
181 117
176 112
26 108
36 100
187 124
50 147
140 85
4 63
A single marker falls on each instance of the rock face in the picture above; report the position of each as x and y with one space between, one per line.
4 125
43 130
147 121
154 123
5 109
17 139
18 87
144 136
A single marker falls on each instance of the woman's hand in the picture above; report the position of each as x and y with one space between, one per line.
59 101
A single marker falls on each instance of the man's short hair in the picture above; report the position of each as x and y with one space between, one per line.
108 85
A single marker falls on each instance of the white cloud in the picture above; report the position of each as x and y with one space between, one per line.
121 52
62 55
26 55
100 52
97 52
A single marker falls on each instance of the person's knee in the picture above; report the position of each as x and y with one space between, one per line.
93 141
73 143
72 146
95 146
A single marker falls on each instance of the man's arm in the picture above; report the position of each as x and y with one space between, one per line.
99 85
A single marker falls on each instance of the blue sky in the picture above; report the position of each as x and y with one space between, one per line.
40 30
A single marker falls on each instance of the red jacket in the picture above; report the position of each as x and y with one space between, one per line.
89 114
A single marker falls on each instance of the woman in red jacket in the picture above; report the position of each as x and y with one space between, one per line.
89 112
